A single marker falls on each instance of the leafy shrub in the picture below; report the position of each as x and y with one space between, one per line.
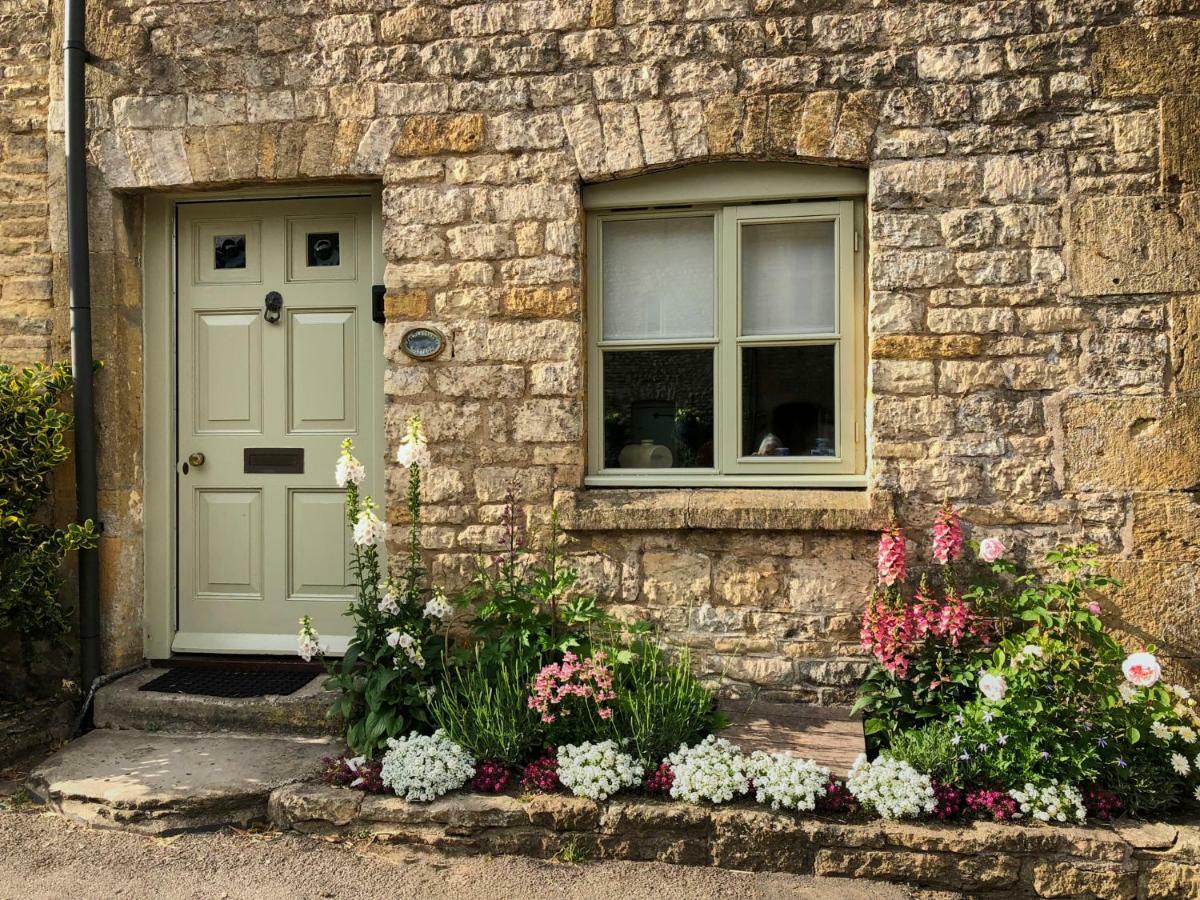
660 704
929 750
32 444
424 767
486 709
524 601
573 698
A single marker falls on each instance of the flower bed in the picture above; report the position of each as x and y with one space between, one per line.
1125 861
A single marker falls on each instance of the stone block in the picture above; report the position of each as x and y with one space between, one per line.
1133 245
430 135
676 578
541 302
925 346
1147 57
1131 443
1180 161
1184 319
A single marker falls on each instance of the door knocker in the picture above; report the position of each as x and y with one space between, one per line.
272 304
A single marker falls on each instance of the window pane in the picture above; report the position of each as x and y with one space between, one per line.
658 278
788 401
788 280
658 409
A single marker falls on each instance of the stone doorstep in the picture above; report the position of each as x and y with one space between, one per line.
122 705
1125 861
167 783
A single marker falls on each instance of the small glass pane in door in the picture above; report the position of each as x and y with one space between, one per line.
788 278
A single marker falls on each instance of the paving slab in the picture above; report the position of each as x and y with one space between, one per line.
123 704
169 783
831 735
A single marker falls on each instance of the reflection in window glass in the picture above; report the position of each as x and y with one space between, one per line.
788 401
658 278
324 250
658 409
788 278
229 251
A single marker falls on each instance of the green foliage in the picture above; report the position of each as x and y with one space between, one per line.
660 704
385 684
524 601
928 750
32 444
486 709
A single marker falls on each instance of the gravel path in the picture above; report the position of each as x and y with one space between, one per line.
45 856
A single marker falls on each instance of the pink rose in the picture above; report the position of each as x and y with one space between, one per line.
990 550
1094 608
1141 669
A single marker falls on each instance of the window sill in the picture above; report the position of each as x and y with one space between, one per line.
721 509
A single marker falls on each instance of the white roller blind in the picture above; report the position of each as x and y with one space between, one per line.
658 278
788 278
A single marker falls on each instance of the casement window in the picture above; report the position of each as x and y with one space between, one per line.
726 327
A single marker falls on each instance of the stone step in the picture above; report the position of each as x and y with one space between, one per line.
123 705
169 783
831 735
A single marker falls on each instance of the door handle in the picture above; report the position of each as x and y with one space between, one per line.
272 304
196 460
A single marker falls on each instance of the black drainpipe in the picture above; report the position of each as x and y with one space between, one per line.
79 281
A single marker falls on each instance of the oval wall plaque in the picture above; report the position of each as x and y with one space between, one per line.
422 342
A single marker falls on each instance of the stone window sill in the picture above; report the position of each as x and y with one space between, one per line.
721 509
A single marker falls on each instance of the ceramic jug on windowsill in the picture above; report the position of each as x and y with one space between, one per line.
645 455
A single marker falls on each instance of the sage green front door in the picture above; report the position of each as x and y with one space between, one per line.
278 361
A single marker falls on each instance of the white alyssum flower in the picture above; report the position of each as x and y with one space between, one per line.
1160 731
1180 764
438 607
369 531
349 471
713 770
414 449
596 770
423 767
891 787
785 782
994 687
1051 802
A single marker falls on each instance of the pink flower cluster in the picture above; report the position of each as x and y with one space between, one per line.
988 803
893 562
1101 803
949 800
557 683
490 777
894 630
542 774
661 779
837 799
947 535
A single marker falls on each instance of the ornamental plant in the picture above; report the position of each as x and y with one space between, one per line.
487 709
394 658
784 782
574 698
891 788
541 775
713 771
424 767
597 770
32 444
524 599
1050 803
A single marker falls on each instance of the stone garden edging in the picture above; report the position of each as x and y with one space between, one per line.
1135 860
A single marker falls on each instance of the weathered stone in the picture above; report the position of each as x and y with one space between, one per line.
1181 141
422 135
1141 443
1147 58
913 346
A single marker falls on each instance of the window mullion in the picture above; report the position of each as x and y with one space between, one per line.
727 404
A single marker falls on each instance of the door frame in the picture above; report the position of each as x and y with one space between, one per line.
160 307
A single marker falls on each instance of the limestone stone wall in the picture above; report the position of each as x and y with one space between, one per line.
1034 269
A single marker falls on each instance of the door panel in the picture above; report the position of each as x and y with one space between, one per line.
257 550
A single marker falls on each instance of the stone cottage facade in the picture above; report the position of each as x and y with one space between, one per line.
1032 274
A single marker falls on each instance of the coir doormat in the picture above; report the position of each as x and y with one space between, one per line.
227 683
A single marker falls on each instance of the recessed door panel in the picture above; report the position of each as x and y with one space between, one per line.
229 545
228 372
322 381
319 555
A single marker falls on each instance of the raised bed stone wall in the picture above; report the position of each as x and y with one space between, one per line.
1136 860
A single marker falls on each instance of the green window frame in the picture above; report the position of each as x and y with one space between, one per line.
738 196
